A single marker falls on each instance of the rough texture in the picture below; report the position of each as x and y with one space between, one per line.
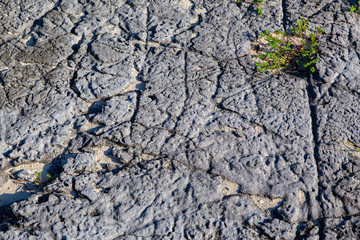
154 123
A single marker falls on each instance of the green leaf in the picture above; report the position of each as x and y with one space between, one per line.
304 53
48 175
259 11
262 64
310 63
261 55
314 44
353 9
312 69
261 69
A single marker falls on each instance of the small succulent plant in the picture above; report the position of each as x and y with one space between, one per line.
24 178
38 180
355 9
290 52
256 3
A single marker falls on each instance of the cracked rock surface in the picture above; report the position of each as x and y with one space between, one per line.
154 124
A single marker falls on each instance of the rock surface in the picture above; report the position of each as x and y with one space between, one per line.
155 124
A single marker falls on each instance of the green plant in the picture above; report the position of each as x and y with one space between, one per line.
355 9
38 179
290 52
352 144
256 3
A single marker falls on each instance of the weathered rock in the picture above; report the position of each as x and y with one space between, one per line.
157 125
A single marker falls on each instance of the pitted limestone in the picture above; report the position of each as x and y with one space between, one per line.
194 137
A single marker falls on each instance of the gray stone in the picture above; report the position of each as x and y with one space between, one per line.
22 175
157 126
117 110
81 163
341 228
